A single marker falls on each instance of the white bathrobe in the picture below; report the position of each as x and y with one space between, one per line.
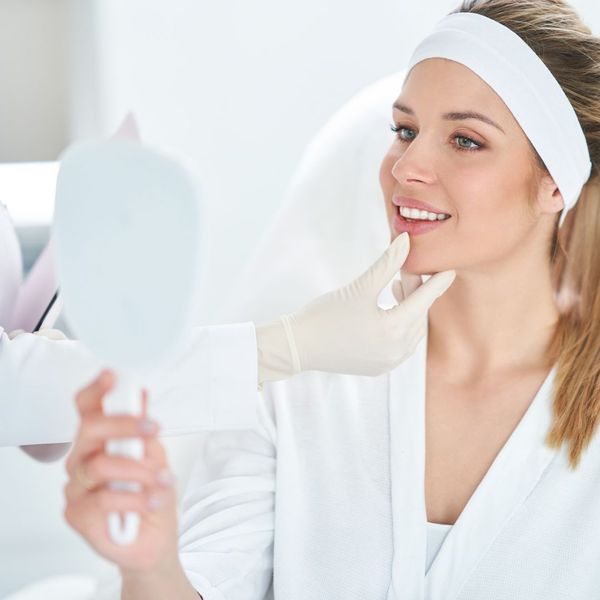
211 385
325 500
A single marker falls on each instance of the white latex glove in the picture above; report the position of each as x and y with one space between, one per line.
344 331
51 334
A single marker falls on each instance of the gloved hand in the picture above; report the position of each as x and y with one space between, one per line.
344 331
51 334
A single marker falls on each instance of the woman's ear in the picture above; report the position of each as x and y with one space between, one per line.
550 199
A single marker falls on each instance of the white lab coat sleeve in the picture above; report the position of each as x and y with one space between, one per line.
227 513
212 385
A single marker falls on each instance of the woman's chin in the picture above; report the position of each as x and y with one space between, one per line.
421 266
421 261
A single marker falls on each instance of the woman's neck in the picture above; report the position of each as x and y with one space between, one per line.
492 320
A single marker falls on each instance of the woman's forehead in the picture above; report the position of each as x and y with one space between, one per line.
446 86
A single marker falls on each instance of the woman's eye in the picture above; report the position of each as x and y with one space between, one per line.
464 142
398 129
468 141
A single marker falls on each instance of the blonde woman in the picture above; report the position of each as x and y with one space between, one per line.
472 470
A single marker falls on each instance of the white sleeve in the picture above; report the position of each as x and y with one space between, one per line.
227 513
213 385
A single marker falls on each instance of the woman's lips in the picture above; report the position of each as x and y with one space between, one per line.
400 224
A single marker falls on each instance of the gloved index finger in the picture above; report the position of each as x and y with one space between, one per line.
97 429
389 263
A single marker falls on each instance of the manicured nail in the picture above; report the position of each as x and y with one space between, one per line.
147 427
165 478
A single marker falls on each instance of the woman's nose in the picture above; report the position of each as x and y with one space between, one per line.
415 162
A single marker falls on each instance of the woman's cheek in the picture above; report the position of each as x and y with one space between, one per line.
386 179
388 183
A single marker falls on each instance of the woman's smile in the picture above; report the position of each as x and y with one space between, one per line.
416 226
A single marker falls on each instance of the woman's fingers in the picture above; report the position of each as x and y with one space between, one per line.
96 429
99 469
89 398
153 449
94 491
99 428
95 506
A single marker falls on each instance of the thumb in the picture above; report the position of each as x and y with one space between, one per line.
427 293
387 265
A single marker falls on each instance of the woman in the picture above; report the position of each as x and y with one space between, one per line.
471 471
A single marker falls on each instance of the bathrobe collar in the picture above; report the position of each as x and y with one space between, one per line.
510 479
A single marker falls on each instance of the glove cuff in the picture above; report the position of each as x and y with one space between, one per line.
275 354
289 332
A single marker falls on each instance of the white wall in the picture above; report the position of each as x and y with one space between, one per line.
240 87
33 79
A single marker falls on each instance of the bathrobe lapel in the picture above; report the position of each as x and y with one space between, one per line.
510 479
407 466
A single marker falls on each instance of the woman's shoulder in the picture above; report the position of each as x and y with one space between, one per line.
314 386
319 401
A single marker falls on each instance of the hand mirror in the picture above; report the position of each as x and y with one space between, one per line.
127 235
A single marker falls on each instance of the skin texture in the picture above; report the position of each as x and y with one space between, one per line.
498 237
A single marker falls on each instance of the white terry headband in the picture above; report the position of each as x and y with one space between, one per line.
514 71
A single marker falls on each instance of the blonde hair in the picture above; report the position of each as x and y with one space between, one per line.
571 52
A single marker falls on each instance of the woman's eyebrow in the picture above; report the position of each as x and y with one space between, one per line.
455 116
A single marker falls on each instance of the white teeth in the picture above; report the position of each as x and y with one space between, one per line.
422 215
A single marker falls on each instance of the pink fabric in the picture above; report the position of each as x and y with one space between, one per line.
11 268
35 293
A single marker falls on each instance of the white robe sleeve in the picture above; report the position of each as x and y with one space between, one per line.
227 514
212 385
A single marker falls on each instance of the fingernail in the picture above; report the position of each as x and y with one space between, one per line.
147 426
155 502
165 478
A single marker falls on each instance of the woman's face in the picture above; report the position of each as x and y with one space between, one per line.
478 173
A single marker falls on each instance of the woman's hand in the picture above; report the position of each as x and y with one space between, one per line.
89 498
